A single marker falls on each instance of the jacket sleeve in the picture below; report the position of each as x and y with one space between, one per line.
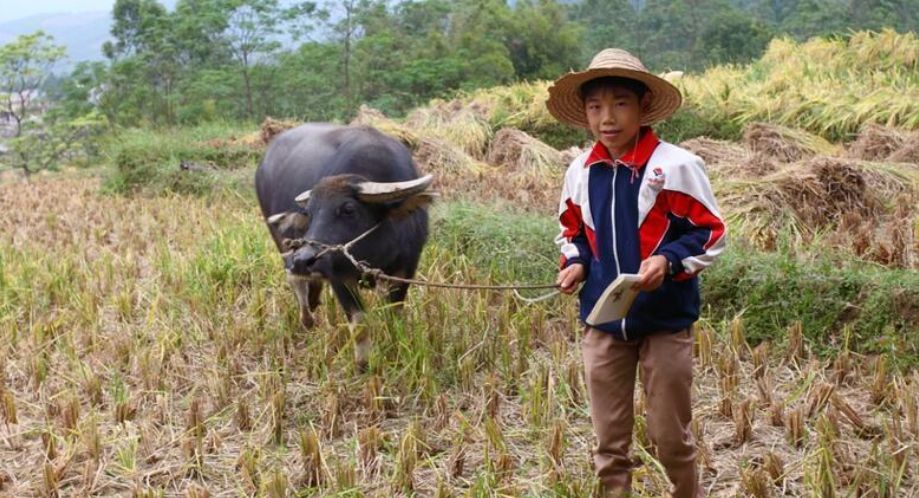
572 239
702 238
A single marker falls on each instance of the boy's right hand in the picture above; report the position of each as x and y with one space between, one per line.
569 278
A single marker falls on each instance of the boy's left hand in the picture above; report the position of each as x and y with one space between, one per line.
652 272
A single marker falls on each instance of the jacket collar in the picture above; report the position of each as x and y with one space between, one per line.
635 158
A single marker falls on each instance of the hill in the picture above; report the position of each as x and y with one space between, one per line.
83 33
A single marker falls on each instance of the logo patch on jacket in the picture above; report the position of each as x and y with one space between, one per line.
657 179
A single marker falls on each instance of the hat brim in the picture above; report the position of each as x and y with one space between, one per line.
566 105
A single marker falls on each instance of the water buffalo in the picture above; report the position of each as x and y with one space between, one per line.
329 184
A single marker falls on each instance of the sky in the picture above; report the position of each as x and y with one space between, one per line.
18 9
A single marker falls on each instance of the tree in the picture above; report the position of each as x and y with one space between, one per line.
42 135
80 92
25 65
303 18
347 30
134 25
308 84
901 15
478 30
198 29
43 147
815 18
145 60
732 37
773 12
542 42
252 27
609 23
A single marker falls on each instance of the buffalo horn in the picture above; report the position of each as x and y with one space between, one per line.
392 191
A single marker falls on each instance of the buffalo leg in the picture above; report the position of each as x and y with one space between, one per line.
315 291
351 302
398 290
396 294
349 299
303 289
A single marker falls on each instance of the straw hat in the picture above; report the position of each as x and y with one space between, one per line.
565 99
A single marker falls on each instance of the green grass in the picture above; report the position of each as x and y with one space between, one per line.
830 294
149 161
495 243
826 292
689 123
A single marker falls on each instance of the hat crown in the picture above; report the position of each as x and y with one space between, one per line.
616 58
565 101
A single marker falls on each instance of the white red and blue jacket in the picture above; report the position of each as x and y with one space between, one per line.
654 199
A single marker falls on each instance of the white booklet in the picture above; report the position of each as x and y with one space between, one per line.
615 301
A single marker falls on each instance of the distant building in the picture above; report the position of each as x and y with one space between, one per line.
37 107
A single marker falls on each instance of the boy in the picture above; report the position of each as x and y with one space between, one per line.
634 204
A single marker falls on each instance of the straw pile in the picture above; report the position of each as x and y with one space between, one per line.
570 154
823 189
368 116
870 208
521 105
716 151
453 140
730 160
271 127
441 157
518 151
790 185
464 125
908 152
251 140
785 144
876 142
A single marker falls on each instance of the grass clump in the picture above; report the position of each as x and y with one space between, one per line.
185 160
509 248
774 290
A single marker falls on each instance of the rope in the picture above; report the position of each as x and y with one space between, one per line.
345 249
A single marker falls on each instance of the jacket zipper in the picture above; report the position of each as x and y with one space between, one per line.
615 249
613 221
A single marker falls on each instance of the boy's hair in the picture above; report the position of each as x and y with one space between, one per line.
591 86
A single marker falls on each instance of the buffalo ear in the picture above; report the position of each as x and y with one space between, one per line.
303 198
412 204
289 224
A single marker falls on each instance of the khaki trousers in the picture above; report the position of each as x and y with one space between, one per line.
665 360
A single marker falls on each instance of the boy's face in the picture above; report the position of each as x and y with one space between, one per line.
614 115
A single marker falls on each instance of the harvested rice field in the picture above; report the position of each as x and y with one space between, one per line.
151 347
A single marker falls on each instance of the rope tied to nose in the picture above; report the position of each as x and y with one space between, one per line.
364 268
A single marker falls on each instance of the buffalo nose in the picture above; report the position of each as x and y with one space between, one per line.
302 262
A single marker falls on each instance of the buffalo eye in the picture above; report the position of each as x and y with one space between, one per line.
346 209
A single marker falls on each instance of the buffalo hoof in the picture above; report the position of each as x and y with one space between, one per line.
362 366
307 321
